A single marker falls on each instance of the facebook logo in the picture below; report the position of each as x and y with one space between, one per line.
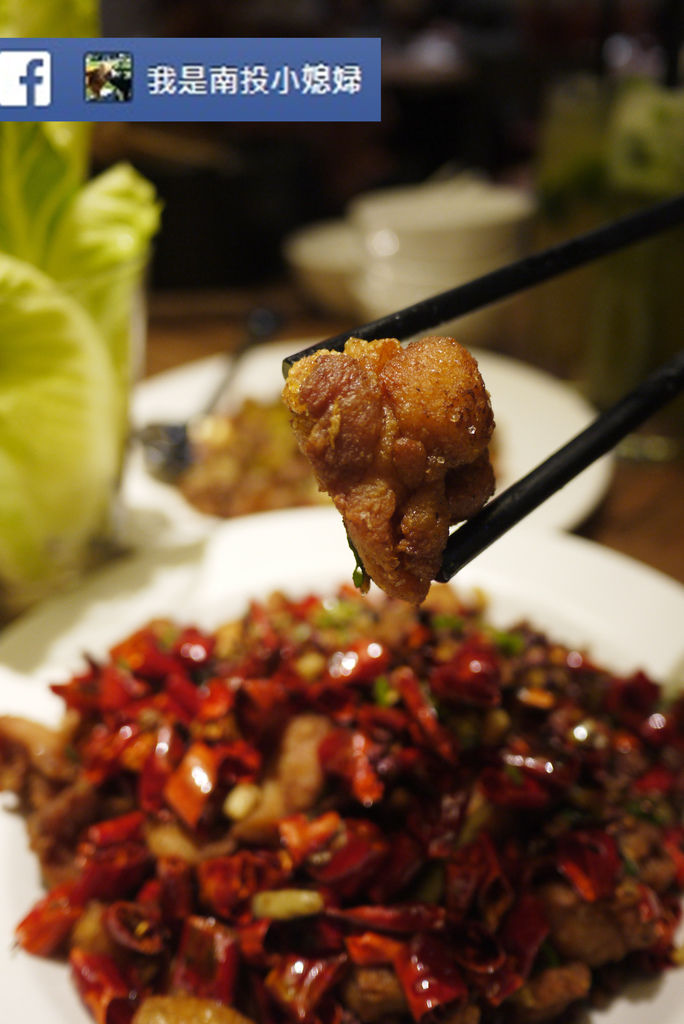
25 78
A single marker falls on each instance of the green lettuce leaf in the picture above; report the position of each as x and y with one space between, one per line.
49 18
59 442
39 177
99 251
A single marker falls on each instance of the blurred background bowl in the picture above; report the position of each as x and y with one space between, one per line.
420 240
323 259
444 222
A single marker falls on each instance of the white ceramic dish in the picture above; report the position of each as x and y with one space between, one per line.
535 415
448 222
323 259
627 615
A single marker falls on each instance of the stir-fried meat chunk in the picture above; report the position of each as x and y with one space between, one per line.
641 844
183 1009
464 1013
55 826
373 992
601 932
398 437
548 993
27 746
295 783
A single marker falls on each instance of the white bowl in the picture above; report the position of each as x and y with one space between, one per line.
323 257
454 221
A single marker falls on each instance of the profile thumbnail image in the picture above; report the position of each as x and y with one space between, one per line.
108 77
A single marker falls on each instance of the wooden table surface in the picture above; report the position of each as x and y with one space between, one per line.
642 515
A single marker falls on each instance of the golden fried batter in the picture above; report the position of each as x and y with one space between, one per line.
398 437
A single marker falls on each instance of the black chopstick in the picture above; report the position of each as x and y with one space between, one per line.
513 504
514 277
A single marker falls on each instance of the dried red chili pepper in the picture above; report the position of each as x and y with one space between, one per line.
401 919
103 749
302 836
176 893
262 705
471 676
424 714
429 976
227 884
474 878
135 927
498 986
508 786
117 830
523 931
111 872
371 949
119 688
252 940
216 699
102 987
437 823
405 859
207 960
238 761
361 662
631 699
164 758
298 984
590 860
183 698
189 787
46 927
353 859
476 950
194 647
143 654
349 756
82 692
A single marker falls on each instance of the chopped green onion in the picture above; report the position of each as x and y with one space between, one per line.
383 694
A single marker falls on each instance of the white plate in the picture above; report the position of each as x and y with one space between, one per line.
535 414
626 614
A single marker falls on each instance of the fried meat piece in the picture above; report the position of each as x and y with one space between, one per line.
182 1009
398 437
293 785
375 994
550 992
372 993
601 932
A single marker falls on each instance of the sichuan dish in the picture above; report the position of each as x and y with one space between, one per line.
247 462
352 810
398 436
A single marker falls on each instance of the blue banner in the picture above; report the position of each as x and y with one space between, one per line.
178 79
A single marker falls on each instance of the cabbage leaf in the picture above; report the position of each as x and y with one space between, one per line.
59 442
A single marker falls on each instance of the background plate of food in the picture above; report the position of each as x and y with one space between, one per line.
597 607
247 460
